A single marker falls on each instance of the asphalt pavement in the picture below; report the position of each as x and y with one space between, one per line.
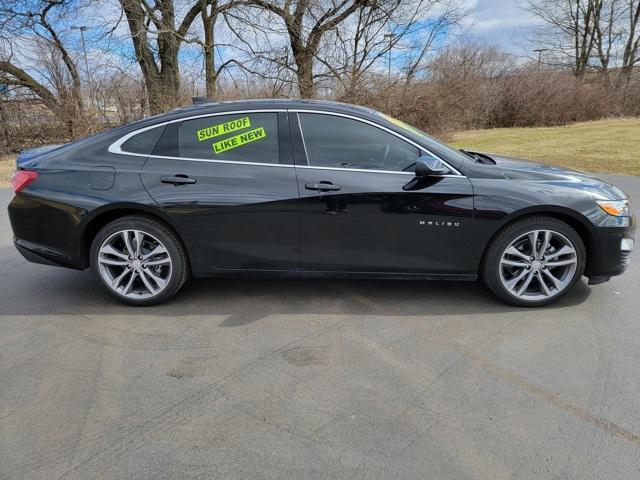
305 379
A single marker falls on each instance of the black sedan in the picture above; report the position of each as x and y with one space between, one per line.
309 188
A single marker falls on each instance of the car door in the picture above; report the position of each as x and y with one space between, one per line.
363 209
228 183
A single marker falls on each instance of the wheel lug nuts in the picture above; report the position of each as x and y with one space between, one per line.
532 258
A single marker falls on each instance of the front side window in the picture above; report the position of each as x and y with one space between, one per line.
340 142
244 137
427 140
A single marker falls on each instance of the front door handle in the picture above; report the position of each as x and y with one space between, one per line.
322 187
178 180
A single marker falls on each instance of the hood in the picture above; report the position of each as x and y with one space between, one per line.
518 169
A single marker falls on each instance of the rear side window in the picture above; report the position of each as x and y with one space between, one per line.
143 142
339 142
243 137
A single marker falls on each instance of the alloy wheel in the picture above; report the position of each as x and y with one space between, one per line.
134 264
538 265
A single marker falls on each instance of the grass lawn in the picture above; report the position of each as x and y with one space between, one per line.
600 146
7 165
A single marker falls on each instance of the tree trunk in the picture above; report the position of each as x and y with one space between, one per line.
304 72
632 45
168 49
304 51
161 78
208 23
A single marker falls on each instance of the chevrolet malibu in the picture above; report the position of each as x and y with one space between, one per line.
309 188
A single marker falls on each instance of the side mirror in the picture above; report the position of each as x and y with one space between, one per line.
427 166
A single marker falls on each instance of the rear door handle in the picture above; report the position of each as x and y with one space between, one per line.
322 187
178 180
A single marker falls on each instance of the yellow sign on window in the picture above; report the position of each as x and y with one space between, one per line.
222 128
239 140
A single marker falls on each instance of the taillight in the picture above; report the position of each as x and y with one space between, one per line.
21 178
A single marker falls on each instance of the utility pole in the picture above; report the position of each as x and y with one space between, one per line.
84 28
390 36
540 51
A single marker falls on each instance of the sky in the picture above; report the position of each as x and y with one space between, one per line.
499 22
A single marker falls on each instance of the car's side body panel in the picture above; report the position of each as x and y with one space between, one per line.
374 224
234 217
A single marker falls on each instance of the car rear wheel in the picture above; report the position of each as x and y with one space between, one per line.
534 261
138 260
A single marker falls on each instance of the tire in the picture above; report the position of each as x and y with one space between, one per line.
158 272
512 275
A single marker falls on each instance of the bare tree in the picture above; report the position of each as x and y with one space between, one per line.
305 23
366 39
210 11
353 48
123 96
606 33
630 20
569 30
359 47
262 47
449 14
588 32
27 27
156 41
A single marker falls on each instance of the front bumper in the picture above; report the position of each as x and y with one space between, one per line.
611 254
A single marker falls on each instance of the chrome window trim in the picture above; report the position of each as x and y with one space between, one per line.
364 170
116 147
381 127
233 162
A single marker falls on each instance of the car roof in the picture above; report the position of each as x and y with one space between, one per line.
270 103
206 107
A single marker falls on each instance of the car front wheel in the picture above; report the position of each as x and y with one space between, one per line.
138 260
534 261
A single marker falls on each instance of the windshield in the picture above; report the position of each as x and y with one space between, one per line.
427 140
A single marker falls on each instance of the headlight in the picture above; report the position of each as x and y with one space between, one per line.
617 208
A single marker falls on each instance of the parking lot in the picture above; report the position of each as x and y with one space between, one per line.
305 379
